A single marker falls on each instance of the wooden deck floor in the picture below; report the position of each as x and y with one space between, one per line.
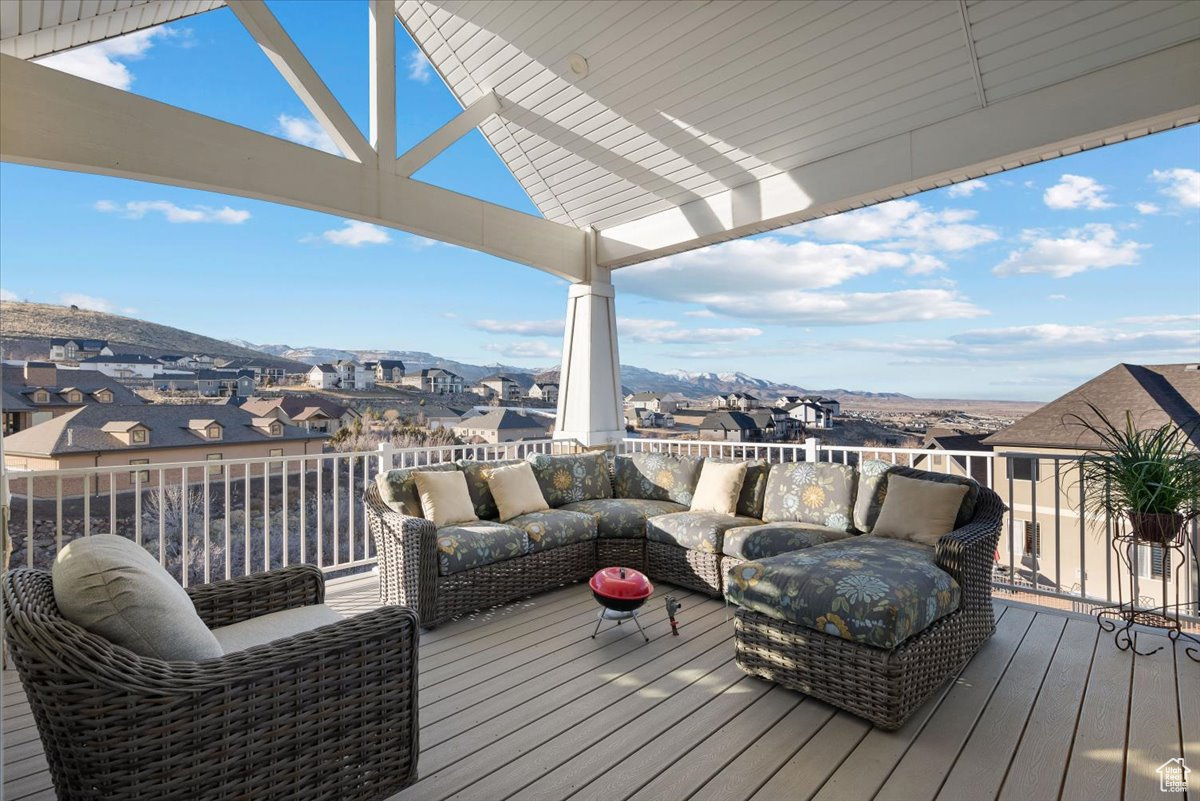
519 702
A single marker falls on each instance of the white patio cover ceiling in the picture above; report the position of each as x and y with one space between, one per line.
664 125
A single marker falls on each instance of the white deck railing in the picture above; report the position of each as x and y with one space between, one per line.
224 518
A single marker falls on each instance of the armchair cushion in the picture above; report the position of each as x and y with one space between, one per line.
696 531
920 511
656 477
873 484
772 539
570 478
553 528
869 590
398 490
114 588
821 494
482 542
623 518
274 626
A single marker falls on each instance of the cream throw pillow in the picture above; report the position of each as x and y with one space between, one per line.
516 491
444 498
719 486
920 511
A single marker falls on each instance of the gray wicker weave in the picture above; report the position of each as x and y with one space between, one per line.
408 573
622 553
684 567
885 687
328 714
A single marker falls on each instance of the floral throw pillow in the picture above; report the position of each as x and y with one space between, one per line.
820 493
657 477
570 478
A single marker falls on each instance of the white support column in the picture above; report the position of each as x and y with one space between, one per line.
383 81
589 385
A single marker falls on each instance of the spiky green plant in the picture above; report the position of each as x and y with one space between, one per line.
1139 471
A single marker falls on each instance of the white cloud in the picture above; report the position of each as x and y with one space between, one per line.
802 308
522 328
352 234
903 224
419 68
307 132
700 313
1057 297
1077 191
8 295
1181 185
663 332
1093 247
1160 319
525 350
967 188
102 62
93 303
137 209
1147 208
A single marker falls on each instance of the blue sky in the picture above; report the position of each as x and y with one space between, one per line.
1018 286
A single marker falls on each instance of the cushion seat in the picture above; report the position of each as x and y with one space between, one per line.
772 539
483 542
274 626
553 528
696 531
623 518
870 590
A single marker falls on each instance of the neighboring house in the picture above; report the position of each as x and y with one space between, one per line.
263 374
729 426
651 419
831 406
1037 457
500 386
323 376
143 436
436 381
977 467
225 383
654 401
742 401
788 400
352 375
545 391
123 365
441 416
502 425
75 349
811 414
389 371
310 412
39 391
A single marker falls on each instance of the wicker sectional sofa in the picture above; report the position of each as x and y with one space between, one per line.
872 624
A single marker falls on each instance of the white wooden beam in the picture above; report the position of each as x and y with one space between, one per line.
383 81
428 148
52 119
1144 95
286 57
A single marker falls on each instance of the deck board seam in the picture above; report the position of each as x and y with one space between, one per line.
1087 680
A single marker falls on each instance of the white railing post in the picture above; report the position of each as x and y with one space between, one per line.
812 449
386 456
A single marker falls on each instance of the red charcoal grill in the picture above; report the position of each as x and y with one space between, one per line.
621 591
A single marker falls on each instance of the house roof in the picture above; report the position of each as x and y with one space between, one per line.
506 420
728 421
324 368
1154 394
87 381
390 364
296 406
435 372
645 396
86 344
503 379
121 358
171 426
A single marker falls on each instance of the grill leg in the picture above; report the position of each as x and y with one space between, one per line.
639 625
599 620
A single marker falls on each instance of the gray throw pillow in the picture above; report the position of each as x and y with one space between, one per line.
115 589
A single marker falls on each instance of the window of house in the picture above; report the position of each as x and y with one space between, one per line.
74 397
1032 537
142 475
215 469
104 396
276 453
1154 562
276 430
1022 469
214 432
139 435
41 396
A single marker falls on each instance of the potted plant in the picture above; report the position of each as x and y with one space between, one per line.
1151 476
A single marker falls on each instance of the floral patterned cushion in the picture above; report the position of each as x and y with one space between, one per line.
571 478
623 518
754 487
656 476
697 531
772 539
555 527
469 545
866 589
399 491
477 474
872 487
820 493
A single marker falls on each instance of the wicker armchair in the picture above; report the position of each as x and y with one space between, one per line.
408 569
885 686
331 713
